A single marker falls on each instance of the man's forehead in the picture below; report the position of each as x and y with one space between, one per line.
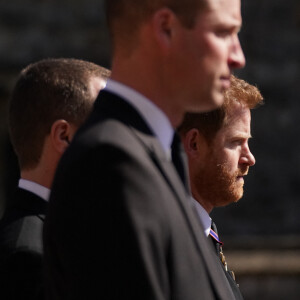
226 10
214 4
238 123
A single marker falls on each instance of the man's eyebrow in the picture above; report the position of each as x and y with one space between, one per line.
242 136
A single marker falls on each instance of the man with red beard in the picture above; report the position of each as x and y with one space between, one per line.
219 157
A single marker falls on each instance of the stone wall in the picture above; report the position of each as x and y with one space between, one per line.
269 213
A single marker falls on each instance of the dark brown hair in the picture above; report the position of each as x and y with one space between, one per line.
46 91
210 123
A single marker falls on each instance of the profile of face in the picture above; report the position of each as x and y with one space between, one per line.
219 168
206 55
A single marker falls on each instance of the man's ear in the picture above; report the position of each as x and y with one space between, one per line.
61 135
163 22
193 142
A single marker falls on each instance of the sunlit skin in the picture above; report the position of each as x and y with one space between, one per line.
207 54
183 69
217 170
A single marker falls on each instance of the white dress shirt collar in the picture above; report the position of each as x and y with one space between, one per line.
203 216
34 188
153 115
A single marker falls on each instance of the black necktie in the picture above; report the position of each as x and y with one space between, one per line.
177 158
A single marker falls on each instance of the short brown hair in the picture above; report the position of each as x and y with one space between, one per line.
46 91
125 16
210 123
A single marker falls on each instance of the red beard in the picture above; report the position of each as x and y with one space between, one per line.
215 184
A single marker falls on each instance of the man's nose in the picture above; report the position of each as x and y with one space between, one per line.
236 56
247 157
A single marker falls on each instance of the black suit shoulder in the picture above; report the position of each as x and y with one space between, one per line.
22 234
21 247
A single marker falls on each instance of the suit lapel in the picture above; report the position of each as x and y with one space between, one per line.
107 105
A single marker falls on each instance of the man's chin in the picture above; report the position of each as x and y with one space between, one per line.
213 101
234 196
217 98
216 101
238 195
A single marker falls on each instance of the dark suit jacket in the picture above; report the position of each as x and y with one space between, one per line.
120 224
21 247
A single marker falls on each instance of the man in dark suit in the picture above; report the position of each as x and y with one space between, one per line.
120 223
50 101
219 157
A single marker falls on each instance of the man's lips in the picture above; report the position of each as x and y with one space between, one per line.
225 82
241 177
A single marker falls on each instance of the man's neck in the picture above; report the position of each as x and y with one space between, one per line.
146 77
205 204
203 216
38 176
